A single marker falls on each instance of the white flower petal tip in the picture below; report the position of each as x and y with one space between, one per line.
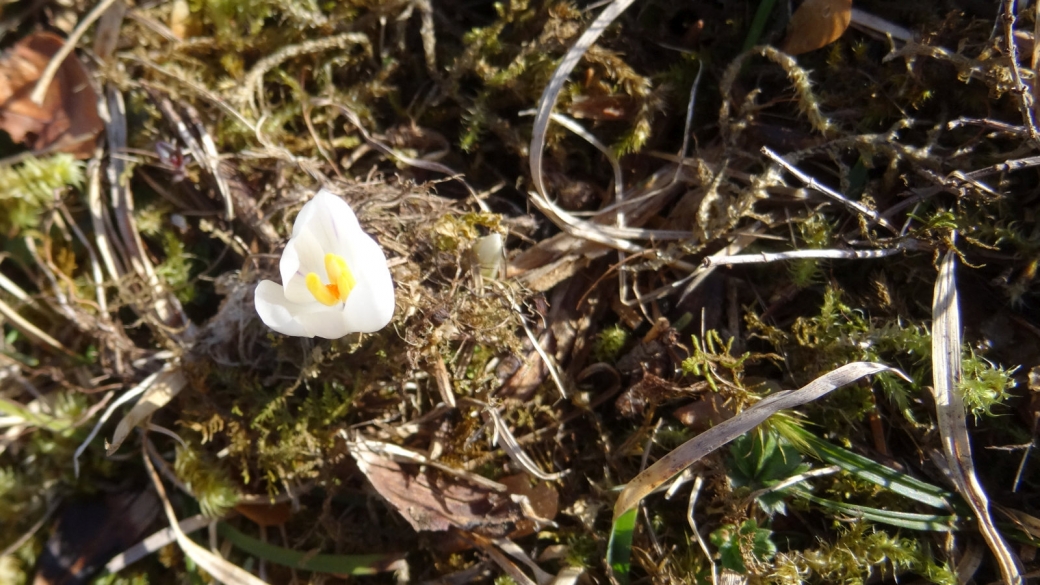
335 280
489 255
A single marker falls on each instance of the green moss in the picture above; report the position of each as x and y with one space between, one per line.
175 269
860 552
984 384
609 343
29 187
711 356
208 481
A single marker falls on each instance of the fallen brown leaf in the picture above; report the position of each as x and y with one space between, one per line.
542 499
266 514
68 120
432 500
816 24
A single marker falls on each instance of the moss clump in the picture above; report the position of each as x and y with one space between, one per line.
29 187
609 344
859 552
207 481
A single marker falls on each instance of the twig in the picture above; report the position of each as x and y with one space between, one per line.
97 215
31 331
1025 98
504 438
813 184
212 160
549 363
996 125
429 38
691 518
766 257
40 91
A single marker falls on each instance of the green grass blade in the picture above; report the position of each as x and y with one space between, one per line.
619 550
908 520
340 564
765 8
886 477
13 408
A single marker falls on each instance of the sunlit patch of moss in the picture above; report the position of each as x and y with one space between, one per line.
16 567
175 270
815 232
859 552
834 332
713 359
609 343
984 384
28 188
671 436
836 56
209 482
235 18
454 232
474 125
120 579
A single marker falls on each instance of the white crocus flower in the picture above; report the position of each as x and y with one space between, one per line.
334 276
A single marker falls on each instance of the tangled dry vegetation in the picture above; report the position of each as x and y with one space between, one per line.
700 224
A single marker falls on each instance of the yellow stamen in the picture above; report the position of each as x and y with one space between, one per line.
342 281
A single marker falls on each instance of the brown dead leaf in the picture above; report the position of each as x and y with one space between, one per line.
542 499
266 514
431 500
816 23
68 120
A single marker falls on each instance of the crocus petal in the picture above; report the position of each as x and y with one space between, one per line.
330 220
302 254
276 311
327 225
370 305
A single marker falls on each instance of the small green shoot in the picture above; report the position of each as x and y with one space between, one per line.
761 459
732 543
619 549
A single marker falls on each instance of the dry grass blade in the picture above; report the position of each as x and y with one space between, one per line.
825 190
689 452
31 331
501 560
504 437
765 257
155 542
126 397
393 152
949 409
221 570
166 307
871 23
552 90
40 91
166 386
